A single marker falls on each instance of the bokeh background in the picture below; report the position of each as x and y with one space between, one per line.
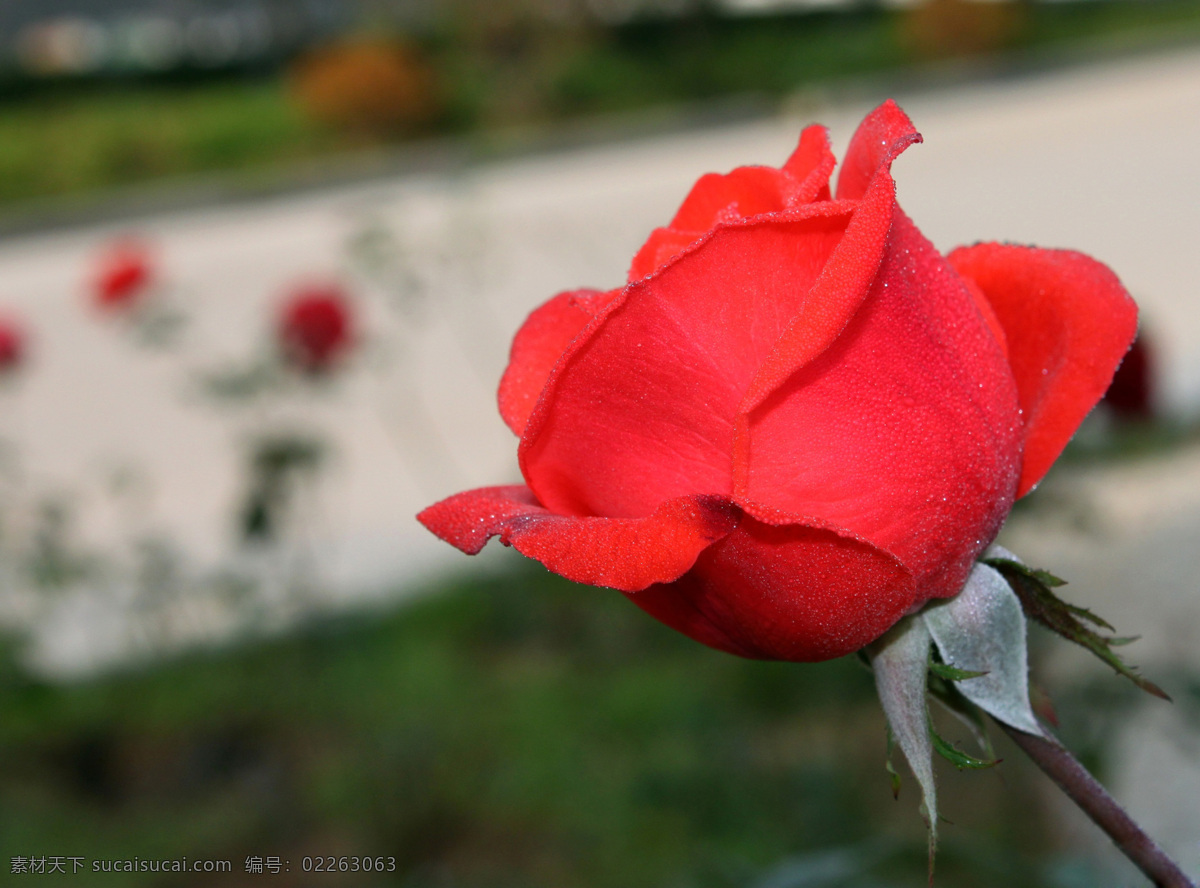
260 263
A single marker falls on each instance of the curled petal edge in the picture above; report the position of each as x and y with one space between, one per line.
879 139
803 178
628 554
811 165
542 340
1067 322
839 290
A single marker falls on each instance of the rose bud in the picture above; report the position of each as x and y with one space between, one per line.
124 276
1131 396
315 328
12 346
797 422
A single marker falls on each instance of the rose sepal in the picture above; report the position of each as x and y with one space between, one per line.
900 661
982 630
970 653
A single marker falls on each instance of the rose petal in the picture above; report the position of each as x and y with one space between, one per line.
786 592
715 198
879 139
810 166
663 245
538 345
743 192
641 410
623 553
746 191
1068 322
905 431
987 313
838 292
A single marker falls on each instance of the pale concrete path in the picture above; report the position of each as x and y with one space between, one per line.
1102 159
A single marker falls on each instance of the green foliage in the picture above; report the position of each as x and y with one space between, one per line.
68 139
66 143
665 62
952 673
951 753
964 711
518 730
893 774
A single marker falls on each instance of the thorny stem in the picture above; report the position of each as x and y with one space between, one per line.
1086 792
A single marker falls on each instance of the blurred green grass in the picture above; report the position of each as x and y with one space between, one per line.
515 730
68 142
77 138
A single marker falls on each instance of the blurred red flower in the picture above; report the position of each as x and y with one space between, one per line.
12 345
124 274
316 328
1131 397
797 422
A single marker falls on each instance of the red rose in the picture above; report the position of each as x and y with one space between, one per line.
124 275
798 421
12 346
315 328
1131 395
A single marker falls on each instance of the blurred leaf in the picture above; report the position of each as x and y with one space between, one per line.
893 774
55 559
955 756
966 712
257 522
952 673
276 455
277 464
242 383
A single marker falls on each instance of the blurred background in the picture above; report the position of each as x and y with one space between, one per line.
260 263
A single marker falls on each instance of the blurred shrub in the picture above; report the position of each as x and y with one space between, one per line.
367 87
506 57
948 28
512 730
278 464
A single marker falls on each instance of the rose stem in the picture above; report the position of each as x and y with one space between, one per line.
1086 792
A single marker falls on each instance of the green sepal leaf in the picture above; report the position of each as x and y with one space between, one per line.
900 659
971 716
952 673
1119 640
1039 603
1045 577
893 774
956 756
983 628
1050 581
1086 614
